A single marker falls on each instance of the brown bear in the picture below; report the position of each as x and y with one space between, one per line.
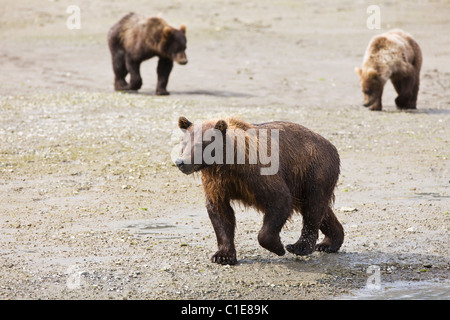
136 38
304 168
392 55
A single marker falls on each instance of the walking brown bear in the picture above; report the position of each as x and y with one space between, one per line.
136 38
392 55
306 175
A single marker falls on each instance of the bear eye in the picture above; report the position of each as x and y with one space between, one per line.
368 92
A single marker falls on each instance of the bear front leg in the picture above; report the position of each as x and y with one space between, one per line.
224 222
163 70
377 105
373 96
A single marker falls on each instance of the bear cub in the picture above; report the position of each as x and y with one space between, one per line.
306 172
136 38
393 55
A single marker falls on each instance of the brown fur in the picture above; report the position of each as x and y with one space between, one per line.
393 55
137 38
307 175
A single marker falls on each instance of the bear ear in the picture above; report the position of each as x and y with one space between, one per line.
371 73
221 125
167 32
358 71
184 123
183 28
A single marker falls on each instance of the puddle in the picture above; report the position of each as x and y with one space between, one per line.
430 196
420 196
157 228
146 227
404 290
149 227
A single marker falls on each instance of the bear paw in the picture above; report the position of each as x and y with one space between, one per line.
224 257
327 246
403 102
271 242
162 92
120 84
375 107
300 249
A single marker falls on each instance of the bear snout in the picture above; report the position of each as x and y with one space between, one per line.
368 101
179 163
180 58
184 167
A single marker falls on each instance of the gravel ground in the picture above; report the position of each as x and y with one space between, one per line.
93 208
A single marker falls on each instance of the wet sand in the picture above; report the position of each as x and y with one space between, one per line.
93 208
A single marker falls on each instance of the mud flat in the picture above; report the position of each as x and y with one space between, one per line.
93 208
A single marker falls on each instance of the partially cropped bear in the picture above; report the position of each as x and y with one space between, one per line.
231 155
393 55
136 38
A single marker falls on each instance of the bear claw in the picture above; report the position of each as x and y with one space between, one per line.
222 258
325 247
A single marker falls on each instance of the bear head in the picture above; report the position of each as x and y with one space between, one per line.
203 145
371 84
230 145
175 44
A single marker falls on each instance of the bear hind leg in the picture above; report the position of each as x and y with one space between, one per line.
306 244
135 74
407 89
276 214
312 218
269 235
120 70
333 231
415 91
